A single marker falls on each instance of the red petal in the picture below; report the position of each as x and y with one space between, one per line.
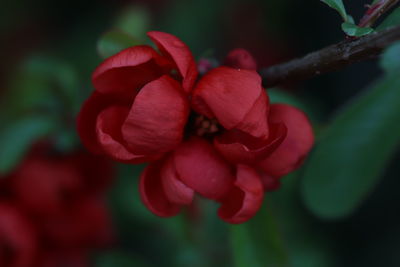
176 191
235 98
127 71
239 147
254 122
245 198
202 169
152 192
240 59
157 118
180 53
86 121
109 135
299 141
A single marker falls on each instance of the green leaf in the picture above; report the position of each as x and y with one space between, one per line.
392 20
338 6
114 41
353 151
391 58
353 30
16 139
42 83
258 242
134 21
307 244
120 259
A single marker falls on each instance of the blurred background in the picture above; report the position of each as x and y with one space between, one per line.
59 208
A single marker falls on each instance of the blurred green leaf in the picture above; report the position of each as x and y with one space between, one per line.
134 21
338 6
307 243
392 20
114 41
258 242
120 259
244 250
129 30
353 30
43 83
282 233
16 139
391 58
353 151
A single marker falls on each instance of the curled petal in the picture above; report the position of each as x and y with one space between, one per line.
254 122
174 48
86 121
152 192
298 142
245 198
202 169
240 59
109 135
176 191
157 118
235 97
127 71
239 147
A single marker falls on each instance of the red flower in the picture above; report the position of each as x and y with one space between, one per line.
52 210
17 238
218 137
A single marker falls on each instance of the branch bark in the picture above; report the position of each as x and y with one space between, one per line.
375 11
330 58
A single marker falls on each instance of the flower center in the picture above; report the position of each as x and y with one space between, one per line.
202 126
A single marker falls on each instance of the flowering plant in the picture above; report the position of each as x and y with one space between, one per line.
216 135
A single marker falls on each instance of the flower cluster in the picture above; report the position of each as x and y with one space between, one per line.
51 210
215 135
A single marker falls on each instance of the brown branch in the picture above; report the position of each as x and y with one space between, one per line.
331 58
375 11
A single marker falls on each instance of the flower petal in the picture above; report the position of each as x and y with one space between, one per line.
109 135
86 121
240 59
254 122
202 169
235 97
157 118
152 192
173 47
176 191
127 71
239 147
299 141
245 198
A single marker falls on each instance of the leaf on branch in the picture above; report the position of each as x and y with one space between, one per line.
353 30
338 6
356 147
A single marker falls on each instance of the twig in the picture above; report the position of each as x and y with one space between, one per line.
375 11
331 58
